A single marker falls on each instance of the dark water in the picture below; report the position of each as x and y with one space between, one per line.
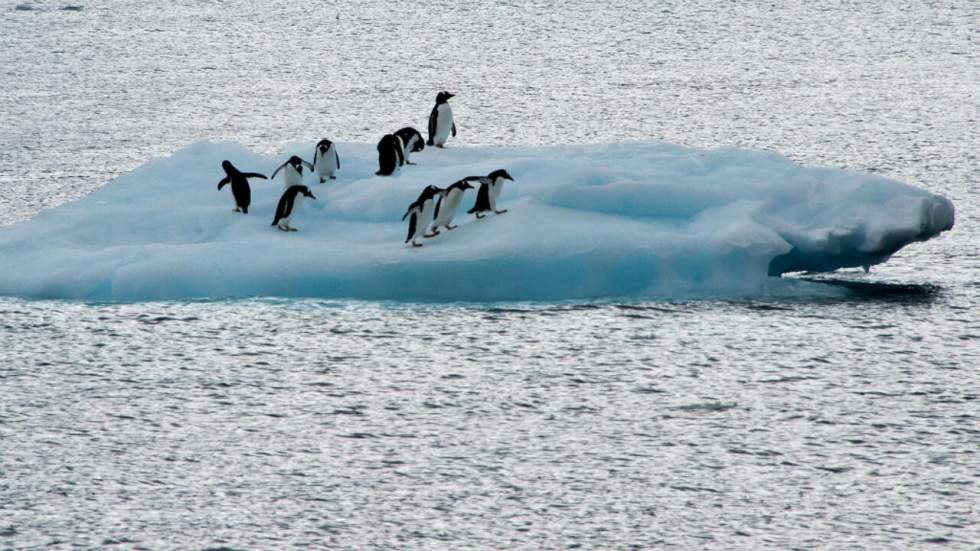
840 420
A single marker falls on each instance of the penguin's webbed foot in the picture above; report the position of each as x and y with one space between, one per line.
414 244
431 234
282 227
500 211
323 180
410 163
333 177
479 216
441 146
451 226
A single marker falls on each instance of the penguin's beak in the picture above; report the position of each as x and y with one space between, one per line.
450 96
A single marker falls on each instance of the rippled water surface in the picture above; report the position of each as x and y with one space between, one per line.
847 417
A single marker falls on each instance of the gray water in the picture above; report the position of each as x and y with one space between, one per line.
817 422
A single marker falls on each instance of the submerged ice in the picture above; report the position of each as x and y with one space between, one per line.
620 220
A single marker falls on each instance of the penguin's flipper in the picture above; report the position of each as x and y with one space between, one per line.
411 227
432 124
223 181
482 199
254 175
308 165
277 170
454 129
337 156
438 204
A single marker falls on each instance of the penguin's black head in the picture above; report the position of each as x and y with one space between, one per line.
227 166
419 145
296 163
500 174
324 145
466 185
443 97
432 191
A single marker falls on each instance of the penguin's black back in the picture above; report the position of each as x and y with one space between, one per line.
242 192
388 155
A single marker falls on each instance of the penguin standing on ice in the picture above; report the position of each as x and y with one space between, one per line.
421 212
293 175
490 188
390 155
326 161
411 142
291 199
448 205
441 121
239 185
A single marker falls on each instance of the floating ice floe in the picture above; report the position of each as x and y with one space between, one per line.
598 221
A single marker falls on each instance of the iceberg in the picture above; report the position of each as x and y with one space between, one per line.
584 222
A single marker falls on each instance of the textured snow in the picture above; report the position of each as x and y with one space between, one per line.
603 221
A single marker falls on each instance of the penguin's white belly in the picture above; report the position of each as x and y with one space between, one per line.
425 217
495 190
407 150
449 207
444 124
326 164
291 177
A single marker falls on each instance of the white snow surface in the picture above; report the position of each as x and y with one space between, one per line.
584 222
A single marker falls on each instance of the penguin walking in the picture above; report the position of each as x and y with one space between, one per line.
421 212
390 156
326 161
411 142
490 188
239 185
448 205
291 199
293 175
441 121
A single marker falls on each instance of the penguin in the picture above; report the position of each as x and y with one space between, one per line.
490 188
293 176
441 121
326 161
390 155
411 142
448 205
288 203
239 185
421 212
